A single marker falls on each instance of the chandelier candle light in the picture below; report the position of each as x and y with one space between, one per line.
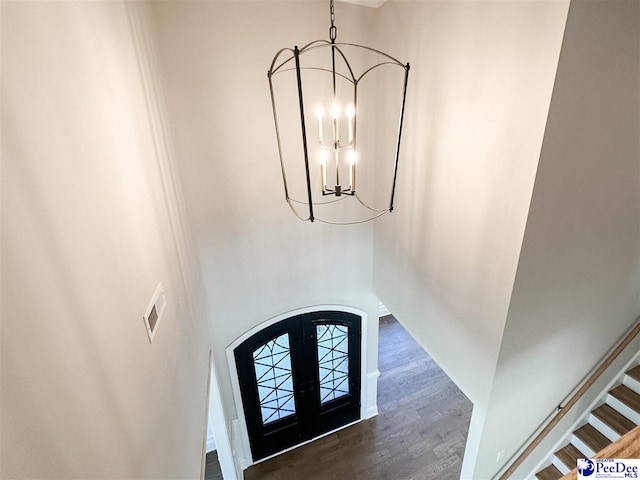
338 156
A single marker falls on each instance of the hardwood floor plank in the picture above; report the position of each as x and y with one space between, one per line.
614 419
569 455
420 432
627 396
595 440
549 473
212 467
635 373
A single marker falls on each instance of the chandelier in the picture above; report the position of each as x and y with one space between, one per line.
320 149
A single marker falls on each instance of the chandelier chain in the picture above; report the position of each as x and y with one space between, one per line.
333 31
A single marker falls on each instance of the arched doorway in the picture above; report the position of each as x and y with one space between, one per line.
299 378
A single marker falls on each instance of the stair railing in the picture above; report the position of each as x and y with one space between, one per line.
554 418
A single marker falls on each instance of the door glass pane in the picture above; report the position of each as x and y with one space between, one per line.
272 363
333 361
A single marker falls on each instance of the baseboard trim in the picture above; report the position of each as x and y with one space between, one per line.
371 412
371 408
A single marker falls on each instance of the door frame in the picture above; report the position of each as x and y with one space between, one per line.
214 415
245 458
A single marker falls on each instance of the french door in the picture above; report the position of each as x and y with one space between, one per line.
299 378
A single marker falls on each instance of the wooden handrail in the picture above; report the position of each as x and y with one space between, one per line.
627 446
609 359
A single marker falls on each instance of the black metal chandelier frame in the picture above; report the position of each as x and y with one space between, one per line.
292 62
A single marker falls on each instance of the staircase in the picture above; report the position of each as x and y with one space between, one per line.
605 424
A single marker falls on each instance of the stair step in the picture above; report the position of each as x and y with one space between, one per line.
627 396
607 423
549 473
569 455
635 373
619 423
559 465
631 382
595 440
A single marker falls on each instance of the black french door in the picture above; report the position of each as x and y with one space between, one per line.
299 378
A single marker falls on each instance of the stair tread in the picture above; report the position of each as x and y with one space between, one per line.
618 422
549 473
569 455
627 396
635 373
595 440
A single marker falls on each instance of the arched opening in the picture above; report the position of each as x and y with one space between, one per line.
299 378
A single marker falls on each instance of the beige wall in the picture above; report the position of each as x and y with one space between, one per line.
91 217
578 279
445 261
90 225
258 260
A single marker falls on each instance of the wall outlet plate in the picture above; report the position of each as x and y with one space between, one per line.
153 314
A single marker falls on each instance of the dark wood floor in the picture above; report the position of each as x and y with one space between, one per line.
212 470
419 433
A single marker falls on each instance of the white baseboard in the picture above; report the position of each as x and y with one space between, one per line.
383 311
371 407
371 412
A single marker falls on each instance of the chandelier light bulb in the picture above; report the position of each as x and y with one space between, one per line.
323 169
335 110
352 170
351 111
322 156
319 115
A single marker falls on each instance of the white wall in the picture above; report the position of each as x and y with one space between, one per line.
258 259
91 218
480 87
90 225
578 279
445 261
